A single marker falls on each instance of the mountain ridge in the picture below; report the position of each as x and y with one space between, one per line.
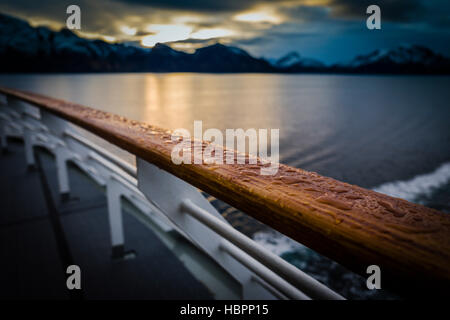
24 48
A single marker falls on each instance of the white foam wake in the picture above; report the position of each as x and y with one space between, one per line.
277 243
420 185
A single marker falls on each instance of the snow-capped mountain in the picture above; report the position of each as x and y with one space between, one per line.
293 60
403 59
288 60
221 58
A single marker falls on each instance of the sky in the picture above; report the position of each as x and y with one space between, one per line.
328 30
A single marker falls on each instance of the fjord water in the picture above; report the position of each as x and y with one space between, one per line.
391 133
365 130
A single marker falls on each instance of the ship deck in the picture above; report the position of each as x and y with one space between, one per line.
41 234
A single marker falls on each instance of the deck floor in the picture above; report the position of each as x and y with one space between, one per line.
40 235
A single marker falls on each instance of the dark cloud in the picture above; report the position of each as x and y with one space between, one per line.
141 33
39 9
203 5
100 16
391 10
195 5
250 41
305 13
437 13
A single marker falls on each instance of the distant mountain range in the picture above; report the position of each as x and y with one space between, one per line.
24 48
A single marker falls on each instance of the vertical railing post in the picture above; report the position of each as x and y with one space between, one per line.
29 118
3 123
57 127
28 144
63 176
115 218
3 139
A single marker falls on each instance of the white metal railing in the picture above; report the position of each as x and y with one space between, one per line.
302 281
162 197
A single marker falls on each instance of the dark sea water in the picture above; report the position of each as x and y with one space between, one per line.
388 133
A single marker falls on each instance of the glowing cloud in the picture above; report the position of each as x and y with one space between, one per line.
257 17
128 30
165 33
211 33
90 35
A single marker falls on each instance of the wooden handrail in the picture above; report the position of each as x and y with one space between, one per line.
351 225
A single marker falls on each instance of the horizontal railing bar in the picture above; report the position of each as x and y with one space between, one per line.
351 225
270 277
269 288
106 164
122 164
293 275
